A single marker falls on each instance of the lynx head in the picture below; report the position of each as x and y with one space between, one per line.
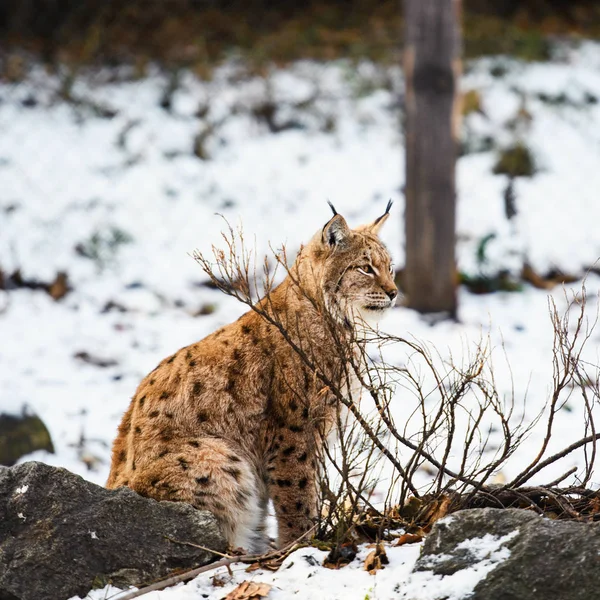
352 269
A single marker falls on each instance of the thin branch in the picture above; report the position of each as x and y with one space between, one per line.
224 562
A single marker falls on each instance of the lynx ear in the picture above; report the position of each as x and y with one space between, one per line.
336 231
376 225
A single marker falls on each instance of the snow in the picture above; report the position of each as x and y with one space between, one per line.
300 576
488 550
488 546
129 193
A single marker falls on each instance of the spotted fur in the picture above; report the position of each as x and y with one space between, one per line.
238 418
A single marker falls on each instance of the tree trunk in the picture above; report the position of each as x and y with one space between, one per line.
431 67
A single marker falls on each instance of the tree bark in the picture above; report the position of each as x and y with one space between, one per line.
431 66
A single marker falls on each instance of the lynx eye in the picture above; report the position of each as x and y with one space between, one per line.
366 270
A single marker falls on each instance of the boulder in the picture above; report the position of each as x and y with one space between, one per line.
61 535
21 434
514 554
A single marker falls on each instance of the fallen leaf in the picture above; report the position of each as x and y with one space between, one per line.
249 590
530 276
441 510
382 554
435 511
372 562
411 508
269 565
59 287
408 538
219 581
376 559
594 506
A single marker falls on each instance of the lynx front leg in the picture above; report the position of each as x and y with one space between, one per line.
293 488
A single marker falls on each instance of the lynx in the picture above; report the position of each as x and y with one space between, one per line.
238 418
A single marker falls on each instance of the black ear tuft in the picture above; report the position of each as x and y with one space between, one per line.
335 212
385 214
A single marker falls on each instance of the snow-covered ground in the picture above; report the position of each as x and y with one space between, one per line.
119 203
302 576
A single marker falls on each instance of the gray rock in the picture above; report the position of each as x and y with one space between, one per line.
535 558
61 536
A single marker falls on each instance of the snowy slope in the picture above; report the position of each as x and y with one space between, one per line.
119 203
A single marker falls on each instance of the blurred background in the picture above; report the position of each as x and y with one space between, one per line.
130 130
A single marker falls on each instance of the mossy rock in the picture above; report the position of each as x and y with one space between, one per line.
516 161
21 435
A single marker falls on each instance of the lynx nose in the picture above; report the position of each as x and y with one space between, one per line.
392 293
